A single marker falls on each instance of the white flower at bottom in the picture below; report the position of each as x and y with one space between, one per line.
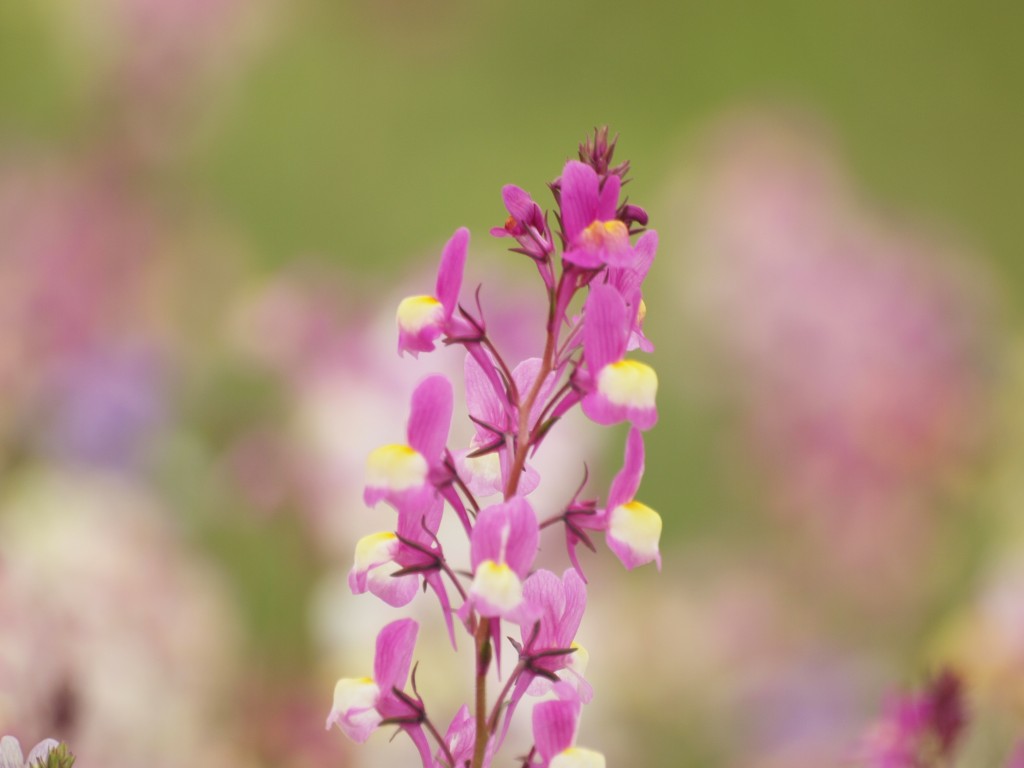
10 753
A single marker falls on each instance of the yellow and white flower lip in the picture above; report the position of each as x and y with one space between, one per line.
418 312
628 383
577 757
496 589
625 391
503 546
634 530
374 549
391 469
353 710
374 570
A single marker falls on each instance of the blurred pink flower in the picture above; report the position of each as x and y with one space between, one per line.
918 730
153 64
855 351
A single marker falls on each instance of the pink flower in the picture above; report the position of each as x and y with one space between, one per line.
362 704
595 236
422 319
632 529
400 473
853 350
615 389
389 564
502 549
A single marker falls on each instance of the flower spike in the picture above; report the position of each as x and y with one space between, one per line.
513 405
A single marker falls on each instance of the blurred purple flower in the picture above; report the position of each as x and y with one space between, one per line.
104 407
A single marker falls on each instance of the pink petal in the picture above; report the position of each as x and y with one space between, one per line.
627 481
418 514
420 341
629 278
601 410
461 735
436 583
583 258
543 592
606 327
419 738
575 590
396 591
617 253
525 377
395 644
430 417
449 273
645 249
523 538
579 198
481 400
554 726
518 202
629 557
609 198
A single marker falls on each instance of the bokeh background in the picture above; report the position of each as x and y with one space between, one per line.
209 209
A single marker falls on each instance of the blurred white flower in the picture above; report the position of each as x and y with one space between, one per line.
114 638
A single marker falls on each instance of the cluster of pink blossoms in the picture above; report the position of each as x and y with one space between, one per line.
513 406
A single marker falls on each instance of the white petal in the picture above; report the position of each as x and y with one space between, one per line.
10 753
